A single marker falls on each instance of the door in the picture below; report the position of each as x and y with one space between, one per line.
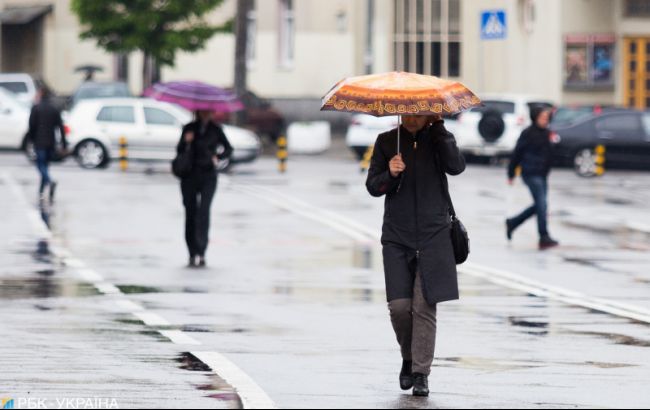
162 132
624 137
117 121
13 125
636 73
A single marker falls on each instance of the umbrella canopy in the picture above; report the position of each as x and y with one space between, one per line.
399 93
195 96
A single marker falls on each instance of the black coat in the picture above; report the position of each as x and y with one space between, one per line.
416 231
44 120
534 152
208 142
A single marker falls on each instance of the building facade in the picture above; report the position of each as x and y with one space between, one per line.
569 51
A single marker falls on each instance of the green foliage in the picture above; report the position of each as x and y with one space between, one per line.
159 28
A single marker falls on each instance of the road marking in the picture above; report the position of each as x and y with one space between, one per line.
307 213
180 338
355 230
151 319
129 306
90 275
107 288
39 227
252 395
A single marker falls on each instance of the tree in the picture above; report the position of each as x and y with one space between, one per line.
158 28
244 7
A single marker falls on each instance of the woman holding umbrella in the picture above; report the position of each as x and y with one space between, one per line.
408 167
205 144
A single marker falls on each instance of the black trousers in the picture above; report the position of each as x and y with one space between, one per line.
198 191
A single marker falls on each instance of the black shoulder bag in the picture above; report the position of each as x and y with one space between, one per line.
459 235
182 164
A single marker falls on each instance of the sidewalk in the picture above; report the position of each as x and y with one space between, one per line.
64 340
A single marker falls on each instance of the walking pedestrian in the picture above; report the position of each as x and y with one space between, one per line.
209 145
534 154
44 122
419 263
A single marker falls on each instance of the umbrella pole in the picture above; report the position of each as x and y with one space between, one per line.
399 126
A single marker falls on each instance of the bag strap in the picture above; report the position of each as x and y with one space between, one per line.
445 188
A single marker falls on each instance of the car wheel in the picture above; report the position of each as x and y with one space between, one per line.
91 154
585 162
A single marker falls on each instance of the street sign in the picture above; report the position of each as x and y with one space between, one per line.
494 25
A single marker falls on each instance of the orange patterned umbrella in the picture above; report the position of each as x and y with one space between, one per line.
399 93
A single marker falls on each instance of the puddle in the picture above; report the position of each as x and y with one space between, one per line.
137 289
490 364
618 201
188 361
215 387
331 295
616 338
44 287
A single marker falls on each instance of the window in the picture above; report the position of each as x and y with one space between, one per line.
637 8
505 107
619 124
155 116
646 126
589 61
287 33
427 37
124 115
15 87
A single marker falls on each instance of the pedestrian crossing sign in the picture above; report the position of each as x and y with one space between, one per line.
494 25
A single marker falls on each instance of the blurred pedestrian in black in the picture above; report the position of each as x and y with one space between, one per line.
419 261
209 145
44 122
534 154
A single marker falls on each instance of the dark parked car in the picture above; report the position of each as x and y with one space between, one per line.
261 117
570 114
624 133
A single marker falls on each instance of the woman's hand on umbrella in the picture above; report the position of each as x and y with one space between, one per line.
189 137
396 165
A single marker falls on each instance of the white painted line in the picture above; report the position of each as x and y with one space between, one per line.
39 227
74 263
107 288
510 280
129 306
309 214
252 395
179 338
89 275
536 288
151 319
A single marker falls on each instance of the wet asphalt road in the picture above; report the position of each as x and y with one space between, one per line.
293 295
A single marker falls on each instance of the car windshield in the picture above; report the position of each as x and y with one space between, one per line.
505 107
96 91
570 115
17 87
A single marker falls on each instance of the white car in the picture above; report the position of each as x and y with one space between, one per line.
152 130
493 130
23 85
364 130
14 121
